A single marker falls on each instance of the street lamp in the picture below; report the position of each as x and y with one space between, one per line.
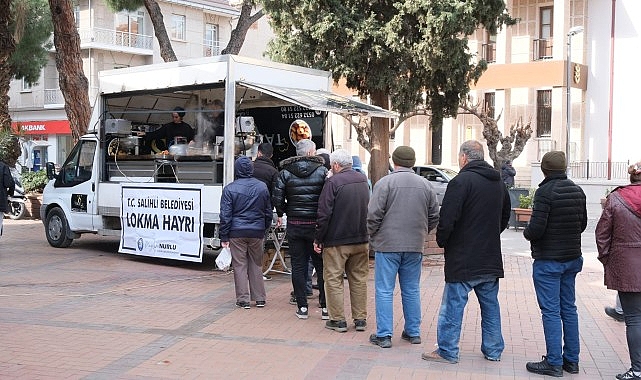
568 84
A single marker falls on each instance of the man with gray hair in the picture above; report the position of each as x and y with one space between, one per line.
475 210
296 194
341 235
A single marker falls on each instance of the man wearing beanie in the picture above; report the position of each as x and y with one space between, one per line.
559 216
402 209
474 212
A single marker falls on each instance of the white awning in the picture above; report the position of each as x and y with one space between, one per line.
320 100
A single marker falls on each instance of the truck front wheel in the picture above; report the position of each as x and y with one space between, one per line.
56 228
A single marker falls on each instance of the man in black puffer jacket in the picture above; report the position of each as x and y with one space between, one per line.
559 216
296 194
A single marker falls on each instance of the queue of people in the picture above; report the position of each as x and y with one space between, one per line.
334 221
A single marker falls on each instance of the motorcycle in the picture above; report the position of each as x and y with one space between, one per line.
16 202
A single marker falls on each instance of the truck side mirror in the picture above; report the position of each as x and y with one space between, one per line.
51 170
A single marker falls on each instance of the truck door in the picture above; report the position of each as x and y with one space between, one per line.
76 185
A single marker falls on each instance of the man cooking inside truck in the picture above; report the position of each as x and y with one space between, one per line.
170 131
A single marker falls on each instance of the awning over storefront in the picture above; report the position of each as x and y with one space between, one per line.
42 127
322 101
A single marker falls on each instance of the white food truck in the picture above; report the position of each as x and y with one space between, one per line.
163 197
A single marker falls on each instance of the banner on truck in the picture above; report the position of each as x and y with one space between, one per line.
161 221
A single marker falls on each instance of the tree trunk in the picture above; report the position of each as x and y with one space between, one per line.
379 161
166 50
7 47
436 124
73 82
245 21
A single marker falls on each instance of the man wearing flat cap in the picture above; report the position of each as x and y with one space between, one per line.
402 209
559 216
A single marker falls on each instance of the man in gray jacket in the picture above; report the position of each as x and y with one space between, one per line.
401 211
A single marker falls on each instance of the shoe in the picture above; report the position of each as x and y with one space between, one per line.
411 339
489 358
260 303
570 367
244 305
360 324
612 312
340 326
545 368
310 295
267 278
302 313
628 375
292 301
434 356
382 342
324 313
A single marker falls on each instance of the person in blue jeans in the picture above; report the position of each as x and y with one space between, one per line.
559 216
402 209
474 212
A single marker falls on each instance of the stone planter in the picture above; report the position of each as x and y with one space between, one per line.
32 205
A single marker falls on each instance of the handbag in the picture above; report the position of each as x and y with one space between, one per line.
223 261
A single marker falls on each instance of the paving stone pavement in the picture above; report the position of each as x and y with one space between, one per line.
88 312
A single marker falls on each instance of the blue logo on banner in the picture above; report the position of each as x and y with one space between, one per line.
141 244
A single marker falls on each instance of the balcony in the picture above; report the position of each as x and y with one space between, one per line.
541 49
211 49
53 98
114 40
488 52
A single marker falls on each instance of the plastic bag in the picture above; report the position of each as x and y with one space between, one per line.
223 261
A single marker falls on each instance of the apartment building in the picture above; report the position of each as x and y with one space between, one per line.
111 40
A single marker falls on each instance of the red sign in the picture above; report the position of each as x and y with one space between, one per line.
42 127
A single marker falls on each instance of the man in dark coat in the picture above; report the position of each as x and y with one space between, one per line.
264 168
7 185
475 210
559 216
296 193
245 215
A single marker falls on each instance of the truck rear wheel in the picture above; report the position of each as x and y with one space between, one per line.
56 228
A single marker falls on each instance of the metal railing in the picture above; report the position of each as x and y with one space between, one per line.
541 49
115 38
53 96
211 50
599 169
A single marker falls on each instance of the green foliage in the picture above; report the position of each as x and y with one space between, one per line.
124 5
9 147
35 29
401 48
34 182
525 201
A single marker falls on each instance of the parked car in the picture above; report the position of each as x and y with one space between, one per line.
438 176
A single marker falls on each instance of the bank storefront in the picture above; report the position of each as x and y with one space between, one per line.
42 141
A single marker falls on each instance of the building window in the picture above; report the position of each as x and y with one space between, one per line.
26 86
129 26
544 113
489 48
211 45
76 15
488 104
543 45
178 26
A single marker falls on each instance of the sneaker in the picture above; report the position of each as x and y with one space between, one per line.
411 339
324 313
267 278
570 367
340 326
434 356
382 341
630 375
301 313
492 359
310 295
360 324
260 303
243 304
292 301
612 312
545 368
